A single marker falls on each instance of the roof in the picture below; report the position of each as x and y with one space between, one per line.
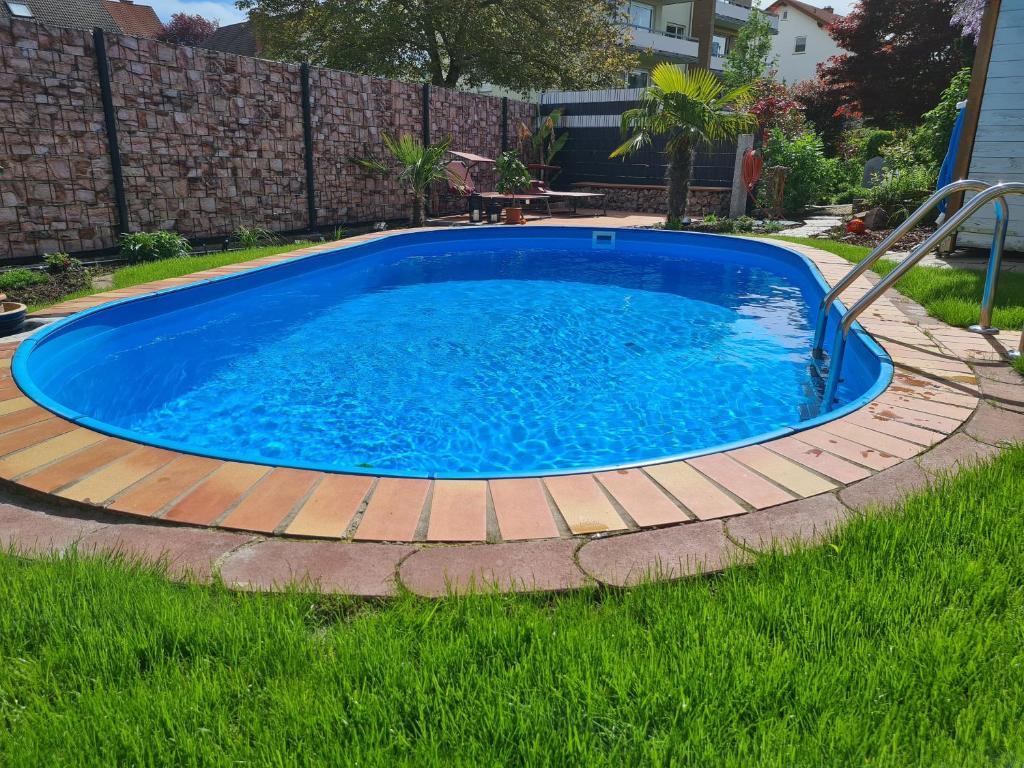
76 14
234 38
825 16
137 20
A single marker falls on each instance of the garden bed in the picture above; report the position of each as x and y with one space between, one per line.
874 237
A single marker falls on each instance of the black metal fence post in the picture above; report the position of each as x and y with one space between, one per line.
426 114
110 120
504 123
307 140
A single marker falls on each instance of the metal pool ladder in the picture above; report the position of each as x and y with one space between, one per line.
830 368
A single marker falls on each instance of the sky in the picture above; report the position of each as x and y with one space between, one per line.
226 13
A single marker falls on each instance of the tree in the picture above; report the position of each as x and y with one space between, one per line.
185 29
773 105
690 108
826 108
748 59
518 44
418 167
968 14
901 55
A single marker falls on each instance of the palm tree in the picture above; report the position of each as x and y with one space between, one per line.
418 167
690 108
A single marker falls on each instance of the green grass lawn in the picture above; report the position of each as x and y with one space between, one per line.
898 643
951 295
136 274
147 272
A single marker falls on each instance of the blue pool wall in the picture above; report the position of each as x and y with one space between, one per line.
45 357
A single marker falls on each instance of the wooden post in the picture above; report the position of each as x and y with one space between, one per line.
975 95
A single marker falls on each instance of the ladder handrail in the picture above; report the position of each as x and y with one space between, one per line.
965 185
948 227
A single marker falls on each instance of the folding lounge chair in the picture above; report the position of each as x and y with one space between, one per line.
570 198
460 182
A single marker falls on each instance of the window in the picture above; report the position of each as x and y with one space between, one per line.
785 15
801 45
675 30
19 9
641 16
719 45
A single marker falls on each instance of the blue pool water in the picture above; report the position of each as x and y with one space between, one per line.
458 353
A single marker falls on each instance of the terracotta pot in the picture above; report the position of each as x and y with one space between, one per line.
12 315
514 216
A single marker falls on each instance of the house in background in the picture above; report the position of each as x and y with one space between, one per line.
695 33
109 15
803 41
134 19
237 38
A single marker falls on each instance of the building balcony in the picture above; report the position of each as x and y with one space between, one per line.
681 48
733 16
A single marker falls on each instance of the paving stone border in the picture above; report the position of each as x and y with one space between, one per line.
951 402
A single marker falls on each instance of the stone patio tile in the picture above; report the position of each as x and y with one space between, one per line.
29 532
76 466
107 482
362 570
740 480
643 501
330 508
956 452
666 553
694 491
217 493
522 509
886 487
394 510
187 552
1008 396
47 451
818 459
583 504
848 449
458 511
152 494
999 371
995 425
271 500
786 473
872 438
32 434
944 425
955 413
894 428
522 566
13 404
802 522
23 418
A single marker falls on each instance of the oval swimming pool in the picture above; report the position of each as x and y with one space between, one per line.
449 353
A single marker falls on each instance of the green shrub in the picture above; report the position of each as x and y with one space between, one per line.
14 280
811 174
743 224
252 237
713 223
150 246
931 138
900 192
59 263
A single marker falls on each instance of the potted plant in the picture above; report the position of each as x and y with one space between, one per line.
513 177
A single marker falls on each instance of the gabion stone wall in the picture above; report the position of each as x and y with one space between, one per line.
209 141
55 188
350 112
653 199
